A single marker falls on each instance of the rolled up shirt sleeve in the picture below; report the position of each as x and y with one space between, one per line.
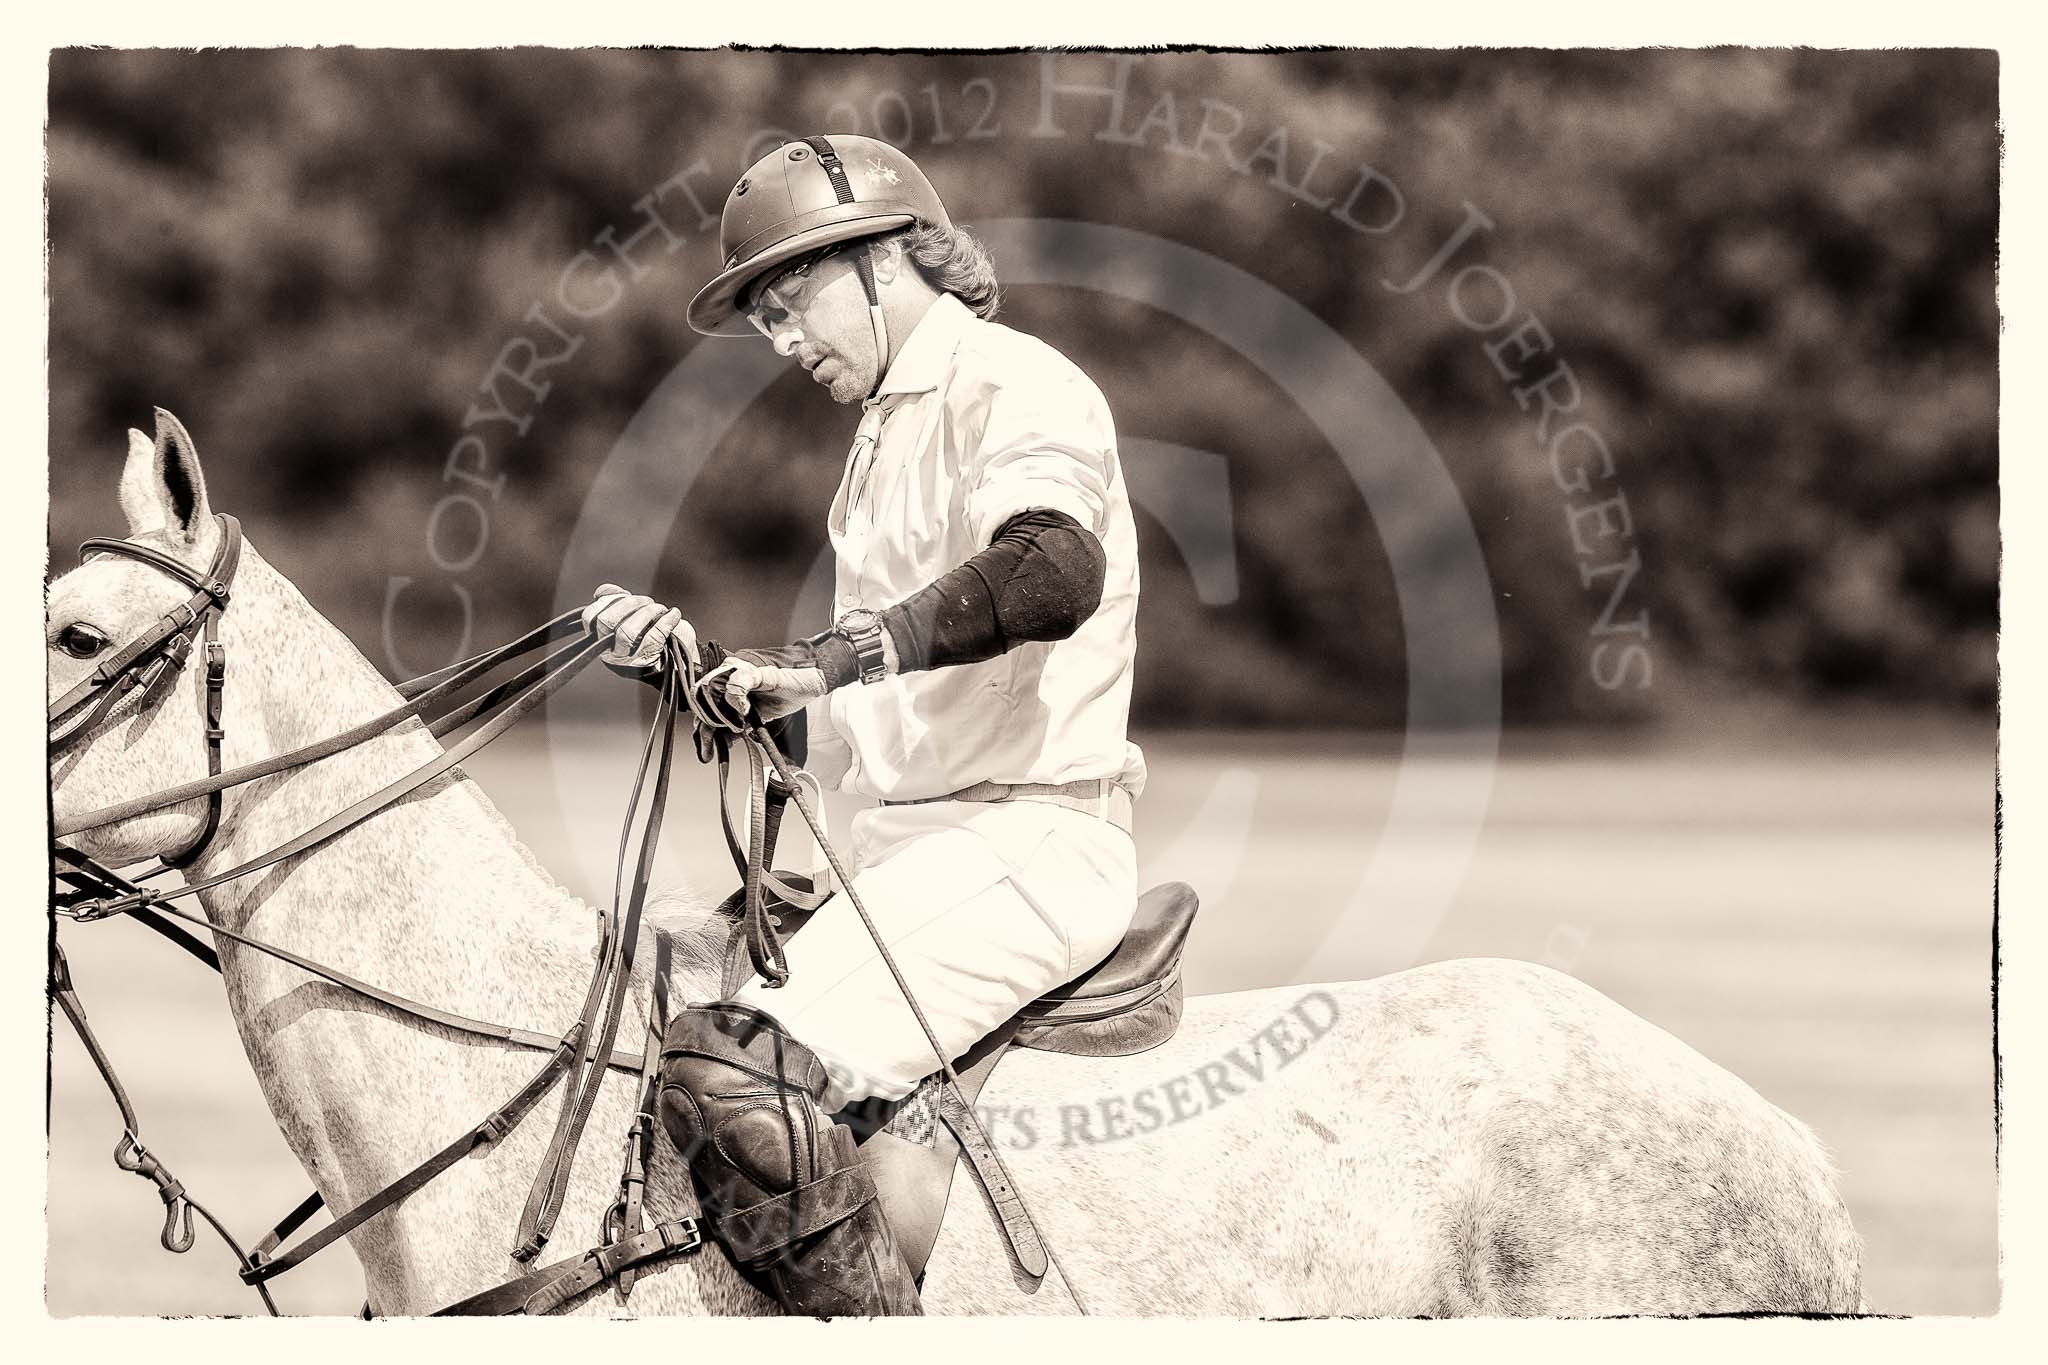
1046 445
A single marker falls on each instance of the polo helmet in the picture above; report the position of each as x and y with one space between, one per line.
806 194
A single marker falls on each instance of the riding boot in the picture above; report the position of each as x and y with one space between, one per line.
791 1196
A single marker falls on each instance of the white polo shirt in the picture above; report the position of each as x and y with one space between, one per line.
973 424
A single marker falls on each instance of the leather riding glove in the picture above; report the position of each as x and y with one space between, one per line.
781 681
1039 579
639 627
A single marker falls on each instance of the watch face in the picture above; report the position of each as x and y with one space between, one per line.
862 629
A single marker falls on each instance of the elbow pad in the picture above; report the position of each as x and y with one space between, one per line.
1039 579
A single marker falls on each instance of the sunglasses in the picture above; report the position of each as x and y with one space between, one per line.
785 293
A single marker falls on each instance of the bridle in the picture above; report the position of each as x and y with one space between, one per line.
150 662
579 1057
583 1054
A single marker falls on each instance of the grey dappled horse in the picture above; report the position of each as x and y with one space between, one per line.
1468 1137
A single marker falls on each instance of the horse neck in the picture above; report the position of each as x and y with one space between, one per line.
434 898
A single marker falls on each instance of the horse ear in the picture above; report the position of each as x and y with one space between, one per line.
162 485
139 494
184 483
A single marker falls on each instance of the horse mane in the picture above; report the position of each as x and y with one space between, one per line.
695 928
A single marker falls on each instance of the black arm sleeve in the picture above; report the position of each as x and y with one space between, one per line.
1039 579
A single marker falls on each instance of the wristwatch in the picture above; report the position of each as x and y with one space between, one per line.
862 629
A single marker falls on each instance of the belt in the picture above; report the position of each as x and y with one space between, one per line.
1098 796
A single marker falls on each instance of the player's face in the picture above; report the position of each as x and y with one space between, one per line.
816 311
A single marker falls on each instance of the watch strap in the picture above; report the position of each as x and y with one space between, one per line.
865 636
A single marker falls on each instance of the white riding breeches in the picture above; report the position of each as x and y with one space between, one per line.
985 907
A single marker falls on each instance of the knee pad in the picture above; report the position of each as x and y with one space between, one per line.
740 1097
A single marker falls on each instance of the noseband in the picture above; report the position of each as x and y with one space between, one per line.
150 661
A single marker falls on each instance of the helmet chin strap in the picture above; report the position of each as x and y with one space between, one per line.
864 266
881 349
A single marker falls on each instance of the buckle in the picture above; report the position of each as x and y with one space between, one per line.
85 912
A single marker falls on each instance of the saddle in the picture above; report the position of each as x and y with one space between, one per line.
1128 1003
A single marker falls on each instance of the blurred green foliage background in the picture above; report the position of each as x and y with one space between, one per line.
1772 274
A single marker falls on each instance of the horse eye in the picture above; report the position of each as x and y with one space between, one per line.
81 642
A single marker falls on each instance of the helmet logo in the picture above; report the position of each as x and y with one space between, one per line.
881 173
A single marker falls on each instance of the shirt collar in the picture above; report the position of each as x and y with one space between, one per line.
922 361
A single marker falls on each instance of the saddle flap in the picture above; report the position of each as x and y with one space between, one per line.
1111 1033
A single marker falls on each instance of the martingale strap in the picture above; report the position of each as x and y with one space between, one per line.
542 1291
92 883
488 1133
129 1153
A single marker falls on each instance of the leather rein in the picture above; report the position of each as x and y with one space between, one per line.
88 890
581 1056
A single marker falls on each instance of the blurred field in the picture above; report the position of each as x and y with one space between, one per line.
1813 914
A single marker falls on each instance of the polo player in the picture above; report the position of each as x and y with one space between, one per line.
976 684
